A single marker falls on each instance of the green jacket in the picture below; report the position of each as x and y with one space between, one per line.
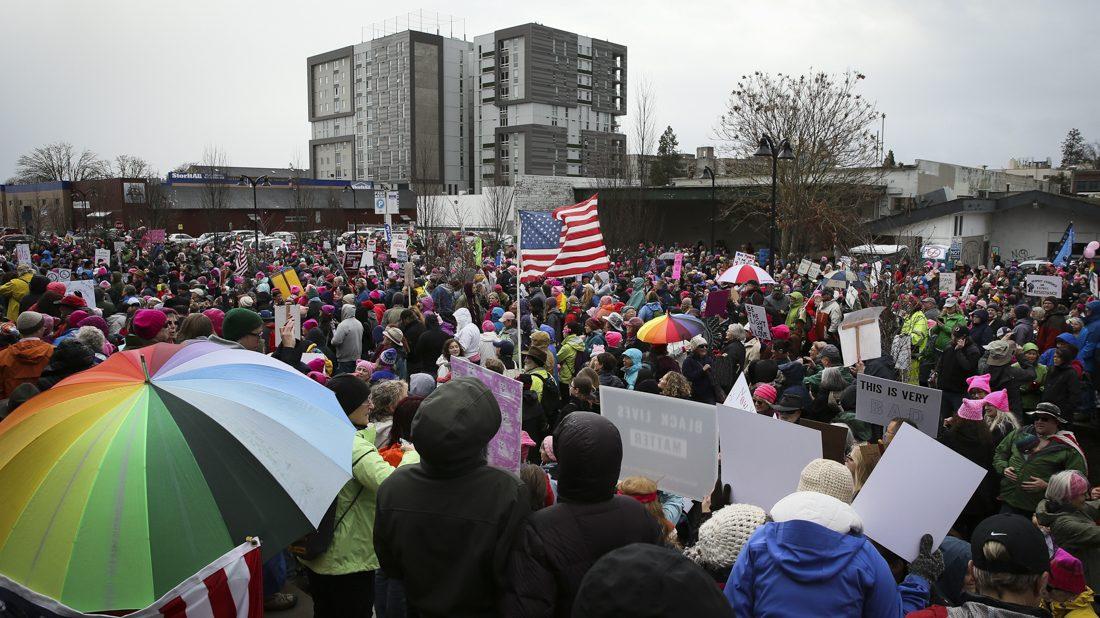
944 327
1031 393
352 548
813 382
797 306
1056 457
1076 532
567 357
916 326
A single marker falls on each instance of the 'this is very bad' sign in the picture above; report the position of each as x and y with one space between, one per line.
879 400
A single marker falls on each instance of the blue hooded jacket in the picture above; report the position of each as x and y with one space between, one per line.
1091 342
800 568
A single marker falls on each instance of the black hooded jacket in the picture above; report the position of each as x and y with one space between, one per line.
560 543
445 526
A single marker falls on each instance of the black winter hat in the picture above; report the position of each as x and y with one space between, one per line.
643 580
350 391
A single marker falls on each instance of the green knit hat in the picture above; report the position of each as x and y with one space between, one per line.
239 322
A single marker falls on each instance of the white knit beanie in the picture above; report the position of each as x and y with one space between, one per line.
724 534
828 477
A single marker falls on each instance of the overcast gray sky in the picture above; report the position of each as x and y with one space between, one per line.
964 82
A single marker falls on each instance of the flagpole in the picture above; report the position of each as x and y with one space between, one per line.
519 279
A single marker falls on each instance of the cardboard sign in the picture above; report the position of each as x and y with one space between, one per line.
103 256
672 441
815 271
762 456
504 448
677 266
84 289
758 322
284 280
918 487
743 258
804 266
740 397
287 312
23 253
410 275
860 336
834 438
879 400
947 282
1043 285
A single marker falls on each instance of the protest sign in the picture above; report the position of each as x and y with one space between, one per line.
740 396
283 313
52 275
504 448
743 258
23 253
677 266
326 245
1094 284
120 245
152 237
762 456
64 274
672 441
879 400
367 259
758 322
372 245
1043 285
352 260
834 438
284 280
851 297
341 248
717 304
410 281
84 288
947 282
804 266
918 487
815 271
966 288
103 256
860 336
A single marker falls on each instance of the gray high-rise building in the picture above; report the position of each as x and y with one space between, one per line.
548 104
393 109
450 116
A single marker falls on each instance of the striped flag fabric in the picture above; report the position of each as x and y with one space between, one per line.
242 261
564 242
229 587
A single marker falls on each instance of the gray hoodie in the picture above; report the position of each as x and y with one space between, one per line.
347 341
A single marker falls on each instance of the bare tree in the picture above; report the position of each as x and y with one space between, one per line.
130 166
643 131
499 211
159 205
301 199
59 161
825 192
214 167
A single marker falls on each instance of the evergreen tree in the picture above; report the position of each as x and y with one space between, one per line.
667 165
889 162
1074 149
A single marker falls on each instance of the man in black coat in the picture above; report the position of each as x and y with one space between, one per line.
560 543
957 362
445 526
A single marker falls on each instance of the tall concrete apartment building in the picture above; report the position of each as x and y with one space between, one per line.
548 105
394 109
434 111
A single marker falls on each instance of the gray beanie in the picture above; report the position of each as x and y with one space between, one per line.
723 535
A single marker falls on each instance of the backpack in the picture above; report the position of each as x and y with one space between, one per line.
551 395
314 544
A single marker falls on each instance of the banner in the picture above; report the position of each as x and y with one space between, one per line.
762 456
672 441
504 448
1043 285
1066 247
677 266
918 487
879 400
758 322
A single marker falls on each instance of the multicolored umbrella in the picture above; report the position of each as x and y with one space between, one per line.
125 479
743 273
843 278
670 328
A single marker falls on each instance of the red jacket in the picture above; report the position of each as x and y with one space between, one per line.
22 362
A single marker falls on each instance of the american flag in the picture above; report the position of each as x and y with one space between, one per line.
242 261
564 242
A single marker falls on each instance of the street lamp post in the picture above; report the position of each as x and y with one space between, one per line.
713 205
354 210
768 148
262 181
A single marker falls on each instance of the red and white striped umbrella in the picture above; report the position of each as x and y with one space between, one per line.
743 273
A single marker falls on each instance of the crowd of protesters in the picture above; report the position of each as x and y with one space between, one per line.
429 529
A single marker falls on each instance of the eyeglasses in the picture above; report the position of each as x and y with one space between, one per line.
257 334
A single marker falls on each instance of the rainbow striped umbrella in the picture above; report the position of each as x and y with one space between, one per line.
125 479
670 328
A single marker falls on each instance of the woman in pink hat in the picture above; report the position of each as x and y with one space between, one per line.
969 435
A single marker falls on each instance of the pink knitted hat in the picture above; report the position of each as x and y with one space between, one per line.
971 409
978 382
765 392
998 400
